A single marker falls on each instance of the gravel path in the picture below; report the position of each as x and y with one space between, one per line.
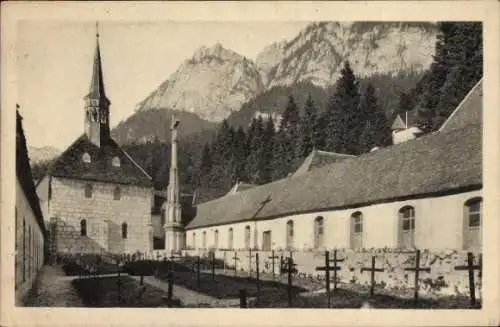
53 289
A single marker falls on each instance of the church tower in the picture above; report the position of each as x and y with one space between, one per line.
174 229
96 103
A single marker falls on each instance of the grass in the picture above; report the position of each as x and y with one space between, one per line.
355 297
107 292
226 287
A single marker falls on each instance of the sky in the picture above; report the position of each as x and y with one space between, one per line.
54 65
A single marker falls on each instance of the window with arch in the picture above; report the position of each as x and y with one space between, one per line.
124 230
204 240
472 223
356 230
194 240
406 227
247 237
230 239
115 162
86 158
318 232
117 193
88 190
216 239
83 227
289 234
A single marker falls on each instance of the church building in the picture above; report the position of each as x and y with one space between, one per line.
425 192
95 197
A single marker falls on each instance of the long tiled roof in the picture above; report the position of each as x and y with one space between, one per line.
71 165
23 172
439 163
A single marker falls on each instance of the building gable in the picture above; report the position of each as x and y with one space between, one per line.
107 163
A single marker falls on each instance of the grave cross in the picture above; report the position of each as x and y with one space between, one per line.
327 268
257 272
250 262
273 258
213 265
198 271
290 268
372 270
470 268
417 269
235 258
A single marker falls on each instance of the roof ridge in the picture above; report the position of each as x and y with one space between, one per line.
133 161
461 104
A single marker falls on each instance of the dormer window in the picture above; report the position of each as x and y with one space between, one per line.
116 162
86 157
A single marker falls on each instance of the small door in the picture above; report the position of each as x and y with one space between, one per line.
266 241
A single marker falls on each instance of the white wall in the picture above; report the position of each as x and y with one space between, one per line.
438 225
29 245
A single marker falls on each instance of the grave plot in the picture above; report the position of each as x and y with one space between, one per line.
120 291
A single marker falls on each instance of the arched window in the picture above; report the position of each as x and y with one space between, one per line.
216 239
356 230
83 227
406 227
230 239
124 230
115 162
247 237
88 190
194 240
472 223
86 158
318 232
289 234
117 193
204 240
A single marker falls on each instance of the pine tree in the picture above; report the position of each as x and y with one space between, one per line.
239 155
306 129
344 122
376 130
256 145
269 136
285 140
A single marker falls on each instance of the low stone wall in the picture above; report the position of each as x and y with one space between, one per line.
442 279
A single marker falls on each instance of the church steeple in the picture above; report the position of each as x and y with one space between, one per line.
96 102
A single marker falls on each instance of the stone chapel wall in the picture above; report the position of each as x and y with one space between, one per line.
104 217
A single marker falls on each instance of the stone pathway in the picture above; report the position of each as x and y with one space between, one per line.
190 298
53 289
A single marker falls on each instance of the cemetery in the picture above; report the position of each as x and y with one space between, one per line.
340 278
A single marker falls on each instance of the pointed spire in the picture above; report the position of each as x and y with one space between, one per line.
96 90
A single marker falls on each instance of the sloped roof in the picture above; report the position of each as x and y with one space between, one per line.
239 187
399 121
23 173
317 159
71 165
469 110
433 164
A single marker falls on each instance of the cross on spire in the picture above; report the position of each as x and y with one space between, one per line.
97 29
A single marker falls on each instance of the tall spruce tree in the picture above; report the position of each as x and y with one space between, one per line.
255 162
376 129
269 135
457 66
239 155
306 129
344 121
285 140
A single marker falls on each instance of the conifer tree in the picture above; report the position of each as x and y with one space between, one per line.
376 130
285 140
239 155
255 162
306 129
269 135
344 121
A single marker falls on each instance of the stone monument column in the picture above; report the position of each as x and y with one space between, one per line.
173 222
